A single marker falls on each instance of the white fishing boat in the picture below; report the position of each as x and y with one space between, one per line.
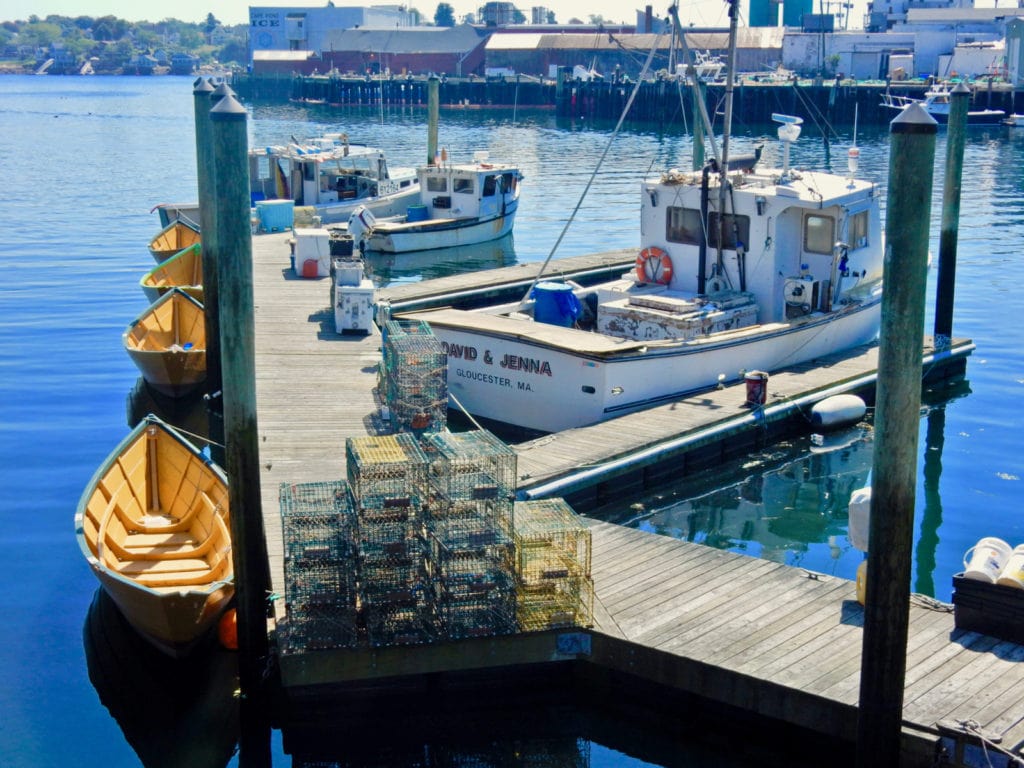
740 269
937 101
332 176
460 204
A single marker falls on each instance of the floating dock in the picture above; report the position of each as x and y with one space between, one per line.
766 639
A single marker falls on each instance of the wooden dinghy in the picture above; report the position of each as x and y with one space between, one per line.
153 524
183 270
168 343
177 235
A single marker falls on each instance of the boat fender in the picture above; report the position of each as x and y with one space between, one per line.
837 411
654 265
227 630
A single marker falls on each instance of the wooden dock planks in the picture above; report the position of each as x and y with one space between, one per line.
772 638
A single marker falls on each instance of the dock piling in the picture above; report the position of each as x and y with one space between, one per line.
897 416
955 138
237 336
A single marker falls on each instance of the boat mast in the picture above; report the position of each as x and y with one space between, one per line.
723 171
691 72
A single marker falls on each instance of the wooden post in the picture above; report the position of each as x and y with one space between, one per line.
956 135
237 335
204 98
433 107
898 402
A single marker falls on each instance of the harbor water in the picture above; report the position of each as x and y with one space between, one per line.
86 159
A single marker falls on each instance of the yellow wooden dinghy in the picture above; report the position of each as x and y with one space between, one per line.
183 270
168 343
174 237
153 524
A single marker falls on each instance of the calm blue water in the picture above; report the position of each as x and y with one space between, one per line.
84 161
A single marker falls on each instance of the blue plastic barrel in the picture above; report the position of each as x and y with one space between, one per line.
555 304
416 213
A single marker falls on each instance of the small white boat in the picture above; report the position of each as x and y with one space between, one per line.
792 271
1014 121
153 525
460 204
937 101
332 176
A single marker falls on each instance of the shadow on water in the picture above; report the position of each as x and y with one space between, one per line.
173 712
186 414
550 722
388 268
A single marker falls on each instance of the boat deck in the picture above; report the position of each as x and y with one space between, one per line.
768 638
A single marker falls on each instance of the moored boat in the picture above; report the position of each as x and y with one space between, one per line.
167 343
153 524
740 269
460 204
937 102
332 176
183 270
172 239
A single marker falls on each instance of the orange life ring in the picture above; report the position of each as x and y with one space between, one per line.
654 265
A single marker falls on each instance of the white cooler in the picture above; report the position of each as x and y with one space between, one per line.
353 307
312 252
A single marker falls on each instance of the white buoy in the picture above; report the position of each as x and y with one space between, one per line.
837 411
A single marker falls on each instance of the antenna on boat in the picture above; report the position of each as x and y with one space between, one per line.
789 131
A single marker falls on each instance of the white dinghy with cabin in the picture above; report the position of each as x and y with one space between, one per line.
740 268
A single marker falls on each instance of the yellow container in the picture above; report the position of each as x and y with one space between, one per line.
862 581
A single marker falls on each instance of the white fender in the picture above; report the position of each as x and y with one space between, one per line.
837 411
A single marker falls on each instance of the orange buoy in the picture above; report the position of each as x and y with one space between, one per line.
227 630
654 265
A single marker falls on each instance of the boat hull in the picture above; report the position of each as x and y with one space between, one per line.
183 270
153 526
167 343
385 205
433 234
526 381
172 239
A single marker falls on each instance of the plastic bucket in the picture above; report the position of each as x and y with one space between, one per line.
1012 574
416 213
555 304
757 387
986 559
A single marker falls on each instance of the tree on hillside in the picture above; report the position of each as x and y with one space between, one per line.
518 17
109 28
211 23
551 17
444 16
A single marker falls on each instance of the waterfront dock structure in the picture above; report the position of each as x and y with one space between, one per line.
764 638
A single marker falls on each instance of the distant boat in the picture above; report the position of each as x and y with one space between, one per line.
460 204
153 525
936 103
173 238
167 343
332 176
1014 121
183 270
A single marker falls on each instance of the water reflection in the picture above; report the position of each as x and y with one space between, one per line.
775 505
387 268
186 414
173 712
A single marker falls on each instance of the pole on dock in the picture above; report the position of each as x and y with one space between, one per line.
204 97
955 138
898 403
237 332
699 96
433 101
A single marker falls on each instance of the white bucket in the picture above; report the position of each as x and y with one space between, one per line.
985 560
1012 574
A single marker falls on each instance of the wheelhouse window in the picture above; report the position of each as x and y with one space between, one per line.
819 233
857 236
737 230
437 184
508 181
490 185
682 225
462 185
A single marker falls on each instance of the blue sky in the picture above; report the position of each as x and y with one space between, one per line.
699 12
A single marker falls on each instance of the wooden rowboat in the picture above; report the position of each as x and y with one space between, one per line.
183 270
174 237
168 343
153 526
